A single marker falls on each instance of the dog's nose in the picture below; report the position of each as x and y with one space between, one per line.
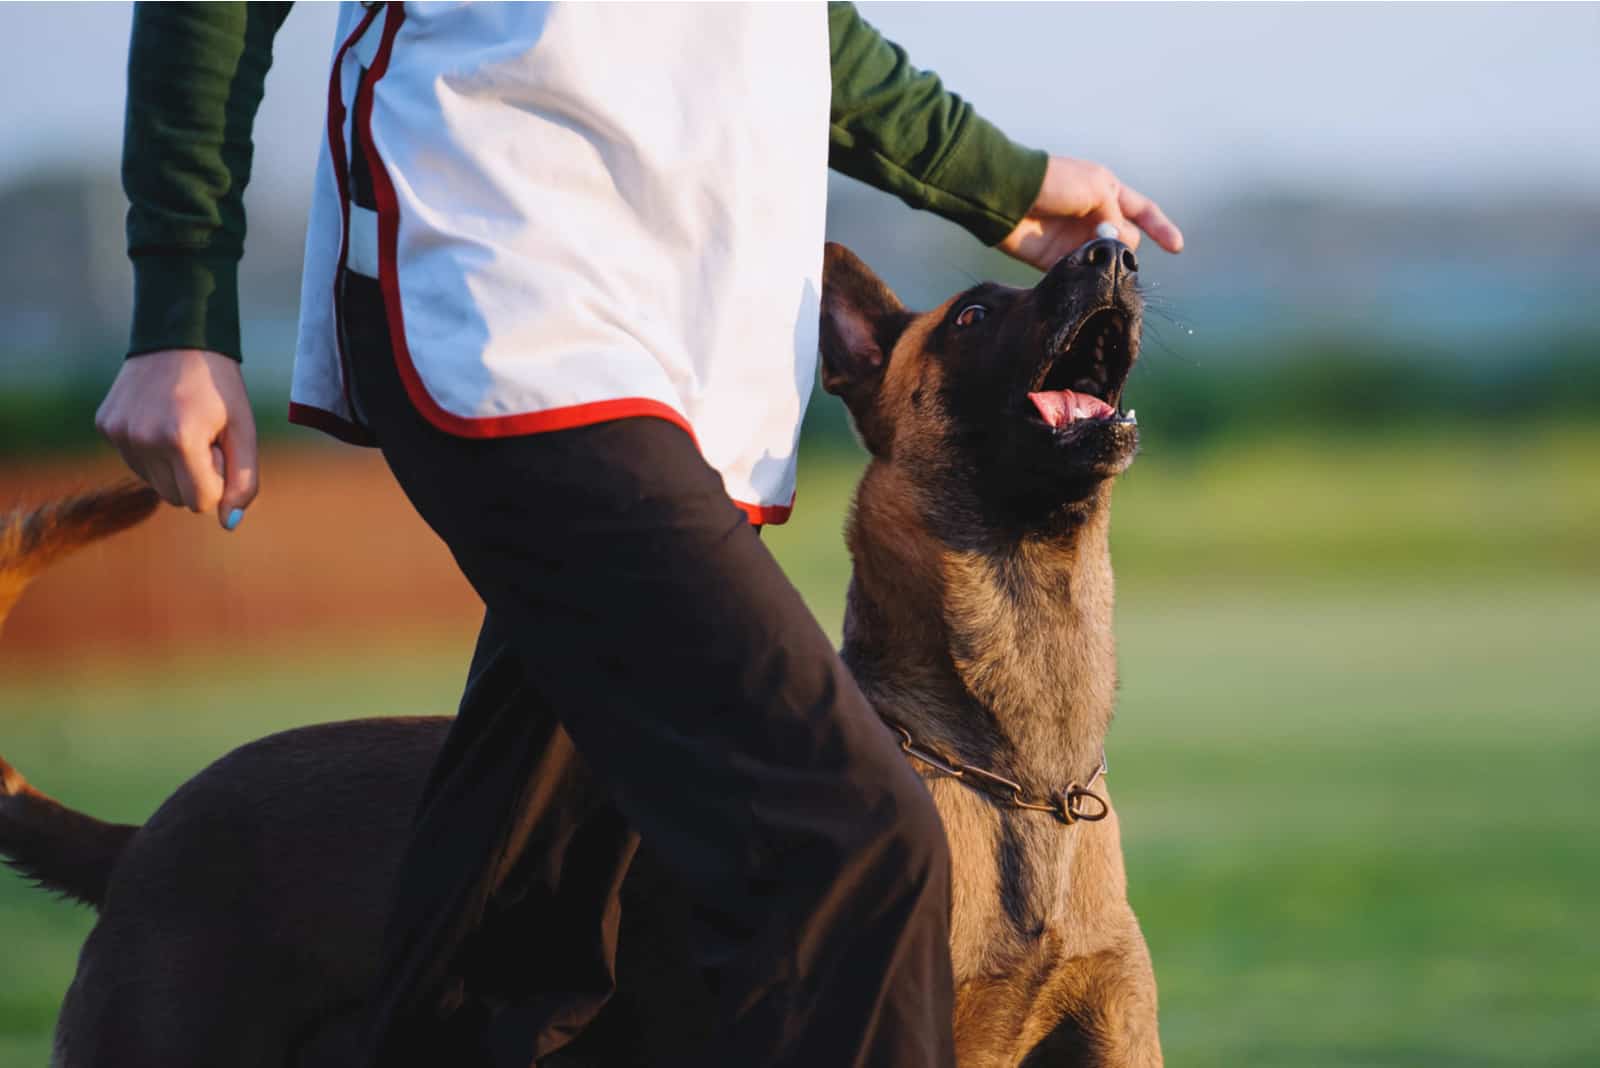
1106 253
1097 269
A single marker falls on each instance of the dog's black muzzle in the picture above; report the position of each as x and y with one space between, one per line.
1096 274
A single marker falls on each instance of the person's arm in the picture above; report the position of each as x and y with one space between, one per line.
195 78
897 128
178 412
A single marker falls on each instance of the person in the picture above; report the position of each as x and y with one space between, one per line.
562 269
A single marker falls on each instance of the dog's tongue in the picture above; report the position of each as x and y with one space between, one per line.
1062 406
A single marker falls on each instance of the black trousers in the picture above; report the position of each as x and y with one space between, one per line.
644 670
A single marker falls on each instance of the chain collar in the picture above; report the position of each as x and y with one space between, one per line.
1073 804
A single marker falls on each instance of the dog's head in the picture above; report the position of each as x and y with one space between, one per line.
1002 401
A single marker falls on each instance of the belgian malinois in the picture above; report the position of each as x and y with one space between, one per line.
241 924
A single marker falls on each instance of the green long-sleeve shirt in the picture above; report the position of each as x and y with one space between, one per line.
195 79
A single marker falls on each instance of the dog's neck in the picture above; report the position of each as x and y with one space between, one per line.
998 651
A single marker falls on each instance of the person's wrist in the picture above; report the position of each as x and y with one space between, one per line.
185 301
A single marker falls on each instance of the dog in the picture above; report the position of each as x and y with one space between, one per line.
241 924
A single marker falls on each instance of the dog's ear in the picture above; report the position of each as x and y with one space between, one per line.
861 321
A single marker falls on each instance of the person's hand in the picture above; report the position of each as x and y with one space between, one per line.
182 422
1076 197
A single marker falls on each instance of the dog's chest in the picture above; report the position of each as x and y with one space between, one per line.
1000 1018
1011 882
1032 643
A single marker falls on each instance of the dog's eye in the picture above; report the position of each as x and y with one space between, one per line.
972 313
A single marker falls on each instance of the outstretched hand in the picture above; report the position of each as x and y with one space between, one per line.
182 422
1075 198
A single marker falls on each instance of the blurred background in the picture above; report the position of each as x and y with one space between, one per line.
1359 557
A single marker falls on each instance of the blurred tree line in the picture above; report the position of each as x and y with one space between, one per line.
1288 312
1326 387
1330 388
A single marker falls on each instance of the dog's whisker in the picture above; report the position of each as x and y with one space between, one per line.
1155 341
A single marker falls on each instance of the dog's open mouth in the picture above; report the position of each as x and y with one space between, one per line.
1083 383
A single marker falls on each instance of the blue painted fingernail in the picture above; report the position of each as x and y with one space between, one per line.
235 517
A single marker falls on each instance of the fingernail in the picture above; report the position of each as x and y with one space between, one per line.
235 517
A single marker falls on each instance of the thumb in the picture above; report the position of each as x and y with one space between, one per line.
234 454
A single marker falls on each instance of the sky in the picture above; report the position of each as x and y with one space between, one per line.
1189 102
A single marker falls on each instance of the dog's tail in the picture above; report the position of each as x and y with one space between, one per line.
31 539
58 848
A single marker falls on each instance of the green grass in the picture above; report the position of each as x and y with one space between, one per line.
1362 831
1355 750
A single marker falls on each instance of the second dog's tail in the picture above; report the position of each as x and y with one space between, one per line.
57 848
31 539
41 838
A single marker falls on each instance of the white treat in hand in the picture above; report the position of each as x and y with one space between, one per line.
1106 229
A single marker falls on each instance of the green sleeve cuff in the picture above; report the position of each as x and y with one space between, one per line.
987 182
185 302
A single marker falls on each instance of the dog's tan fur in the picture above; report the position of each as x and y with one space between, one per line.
32 539
996 650
941 627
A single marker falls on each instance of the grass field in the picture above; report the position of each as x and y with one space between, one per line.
1355 751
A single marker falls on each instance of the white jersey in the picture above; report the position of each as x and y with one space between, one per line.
583 212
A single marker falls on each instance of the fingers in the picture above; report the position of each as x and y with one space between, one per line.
181 472
181 420
142 448
235 457
160 477
1077 199
198 481
1148 216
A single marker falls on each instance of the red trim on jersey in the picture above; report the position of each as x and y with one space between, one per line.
766 514
308 415
329 423
498 426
